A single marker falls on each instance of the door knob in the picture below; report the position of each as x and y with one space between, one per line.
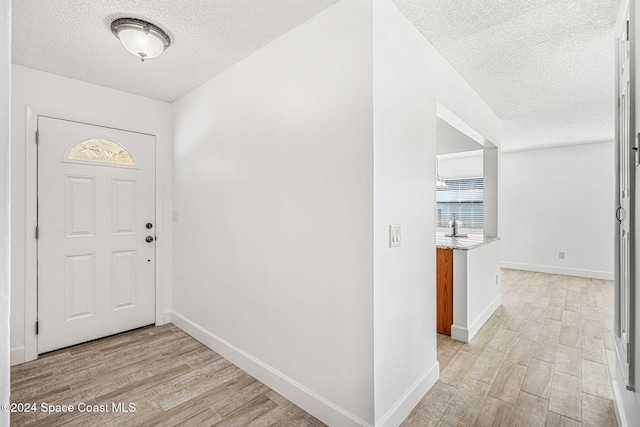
149 239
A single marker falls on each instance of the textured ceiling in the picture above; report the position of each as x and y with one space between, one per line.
72 38
546 67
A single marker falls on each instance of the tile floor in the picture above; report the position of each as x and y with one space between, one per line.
172 379
545 358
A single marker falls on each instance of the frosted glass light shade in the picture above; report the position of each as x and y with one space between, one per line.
140 38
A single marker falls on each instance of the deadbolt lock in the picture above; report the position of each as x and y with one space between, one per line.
149 226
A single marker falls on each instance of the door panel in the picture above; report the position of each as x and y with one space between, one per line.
96 193
123 206
80 217
123 284
80 286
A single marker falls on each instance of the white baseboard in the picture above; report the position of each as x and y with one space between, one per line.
17 355
593 274
620 416
321 408
482 319
403 407
459 333
464 334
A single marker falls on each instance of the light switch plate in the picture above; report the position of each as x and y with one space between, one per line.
394 235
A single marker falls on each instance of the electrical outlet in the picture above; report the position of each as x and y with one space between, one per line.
394 235
561 255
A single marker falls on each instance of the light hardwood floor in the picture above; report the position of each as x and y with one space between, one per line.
171 378
543 359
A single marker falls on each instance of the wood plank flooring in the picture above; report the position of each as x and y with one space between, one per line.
543 359
172 379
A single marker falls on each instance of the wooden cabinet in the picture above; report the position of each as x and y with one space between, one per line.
444 290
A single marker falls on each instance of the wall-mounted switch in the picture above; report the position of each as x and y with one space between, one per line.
561 255
394 235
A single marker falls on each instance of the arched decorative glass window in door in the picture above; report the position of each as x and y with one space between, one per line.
100 151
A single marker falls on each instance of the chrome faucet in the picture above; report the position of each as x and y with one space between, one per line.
454 224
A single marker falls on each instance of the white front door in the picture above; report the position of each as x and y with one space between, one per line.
96 219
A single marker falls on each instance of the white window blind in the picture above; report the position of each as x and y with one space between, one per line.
463 197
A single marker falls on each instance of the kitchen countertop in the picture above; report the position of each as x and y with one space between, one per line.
463 243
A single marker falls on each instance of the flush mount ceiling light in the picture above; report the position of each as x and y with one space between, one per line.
140 38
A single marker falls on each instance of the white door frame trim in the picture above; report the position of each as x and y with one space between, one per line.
31 253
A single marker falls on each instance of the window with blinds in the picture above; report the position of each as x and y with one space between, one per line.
463 197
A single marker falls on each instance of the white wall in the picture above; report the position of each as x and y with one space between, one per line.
62 96
404 164
273 261
559 200
491 191
481 286
5 202
410 77
476 289
274 181
461 165
451 140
